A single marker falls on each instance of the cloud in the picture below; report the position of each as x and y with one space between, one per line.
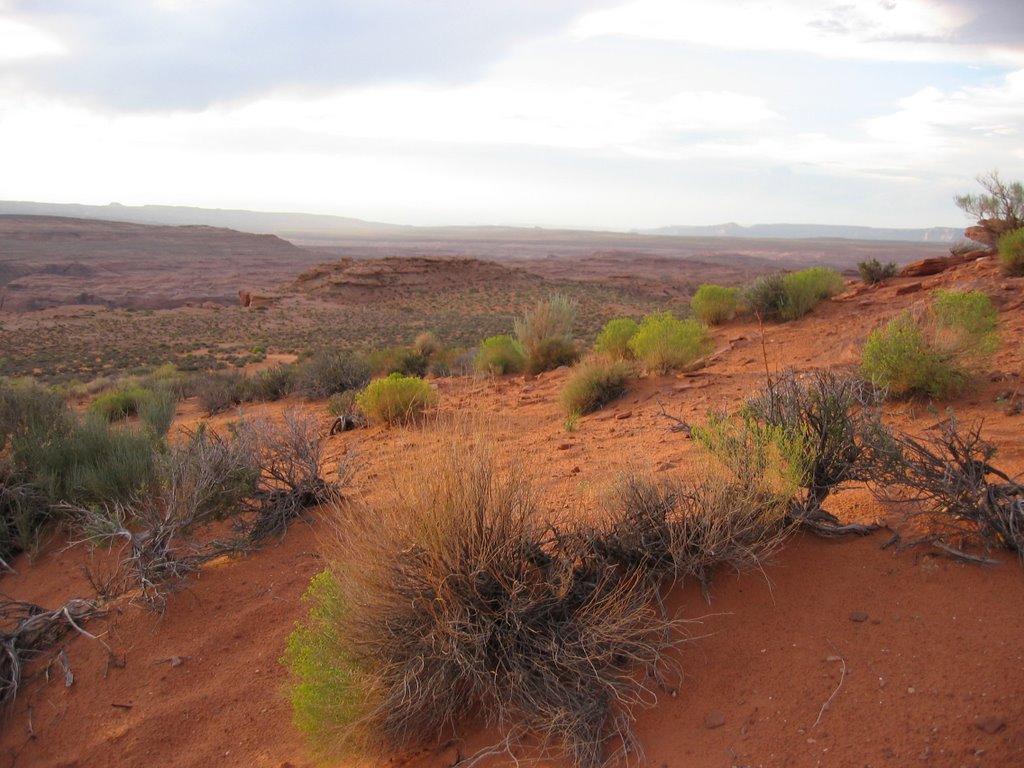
886 30
982 117
188 54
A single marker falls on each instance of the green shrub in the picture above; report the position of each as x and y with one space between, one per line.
29 411
592 385
409 362
342 403
544 333
970 313
1011 252
935 352
613 340
873 271
120 403
273 384
664 343
806 288
218 392
168 377
715 304
551 353
397 399
24 514
157 410
327 698
499 355
899 358
330 371
765 296
88 462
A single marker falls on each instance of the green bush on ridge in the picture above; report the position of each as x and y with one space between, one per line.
613 339
1011 252
593 384
933 352
499 355
715 304
664 343
396 399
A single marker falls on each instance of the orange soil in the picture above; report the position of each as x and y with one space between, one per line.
938 652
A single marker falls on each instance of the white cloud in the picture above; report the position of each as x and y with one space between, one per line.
20 40
907 30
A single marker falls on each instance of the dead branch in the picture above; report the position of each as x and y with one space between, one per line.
30 630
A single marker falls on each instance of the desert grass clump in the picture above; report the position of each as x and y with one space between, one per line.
456 602
1011 252
715 304
545 332
873 271
330 371
935 351
499 355
613 339
664 343
396 399
594 384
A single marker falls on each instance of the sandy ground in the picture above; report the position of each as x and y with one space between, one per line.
917 656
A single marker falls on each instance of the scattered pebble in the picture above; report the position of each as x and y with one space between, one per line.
714 719
989 724
624 415
858 616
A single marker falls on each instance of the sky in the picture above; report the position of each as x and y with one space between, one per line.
604 114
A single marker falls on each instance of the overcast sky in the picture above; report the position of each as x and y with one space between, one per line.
537 112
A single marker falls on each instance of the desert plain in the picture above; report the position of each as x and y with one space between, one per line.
846 651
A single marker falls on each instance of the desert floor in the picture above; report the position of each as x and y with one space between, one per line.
836 653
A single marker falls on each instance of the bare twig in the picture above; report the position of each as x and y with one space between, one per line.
842 678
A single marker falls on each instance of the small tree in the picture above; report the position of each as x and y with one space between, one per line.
1003 201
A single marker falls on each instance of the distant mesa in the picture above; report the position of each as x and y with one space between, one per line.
368 279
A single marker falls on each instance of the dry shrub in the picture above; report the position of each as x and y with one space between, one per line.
545 333
679 530
954 489
261 475
457 602
28 631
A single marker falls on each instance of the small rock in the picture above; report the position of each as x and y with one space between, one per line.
574 471
988 724
858 616
564 446
624 415
714 719
903 290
